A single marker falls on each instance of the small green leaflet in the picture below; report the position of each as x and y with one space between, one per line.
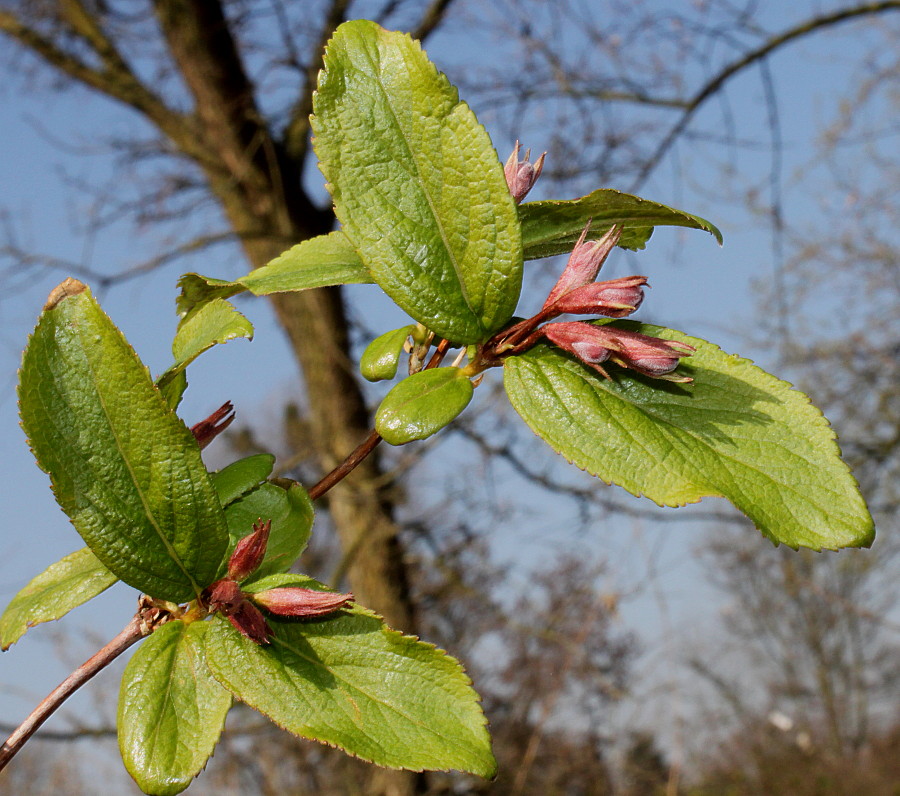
242 476
65 585
416 183
553 227
379 360
736 432
350 681
213 323
124 468
422 404
171 710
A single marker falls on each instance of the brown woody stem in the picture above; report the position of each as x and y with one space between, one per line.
133 632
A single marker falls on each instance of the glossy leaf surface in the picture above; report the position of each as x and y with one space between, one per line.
736 432
416 183
124 468
554 226
171 709
422 405
350 681
65 585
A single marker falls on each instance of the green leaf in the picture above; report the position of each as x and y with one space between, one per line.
173 390
171 710
242 476
65 585
379 360
215 322
196 291
291 512
317 262
417 184
124 468
736 432
422 404
350 681
553 227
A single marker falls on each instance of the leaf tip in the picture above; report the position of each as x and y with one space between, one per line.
68 287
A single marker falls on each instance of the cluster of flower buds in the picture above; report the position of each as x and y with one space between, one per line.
241 609
577 293
521 175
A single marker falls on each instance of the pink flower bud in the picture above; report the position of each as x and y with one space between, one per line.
584 263
248 619
249 551
595 344
648 355
296 601
522 175
580 339
207 430
614 298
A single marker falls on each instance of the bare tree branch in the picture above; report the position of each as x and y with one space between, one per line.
776 42
116 80
432 17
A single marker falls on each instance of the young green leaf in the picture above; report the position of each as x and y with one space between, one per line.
242 476
379 360
317 262
736 432
553 227
125 469
65 585
350 681
417 184
215 322
171 710
422 404
291 513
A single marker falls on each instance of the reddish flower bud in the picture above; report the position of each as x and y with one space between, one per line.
249 551
296 601
581 340
207 430
648 355
584 263
595 344
248 619
224 596
522 175
614 298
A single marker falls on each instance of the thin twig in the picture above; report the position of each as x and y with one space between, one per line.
134 631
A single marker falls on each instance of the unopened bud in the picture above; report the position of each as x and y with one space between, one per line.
249 621
521 175
648 355
207 430
580 339
595 344
296 601
584 263
614 298
224 596
249 551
